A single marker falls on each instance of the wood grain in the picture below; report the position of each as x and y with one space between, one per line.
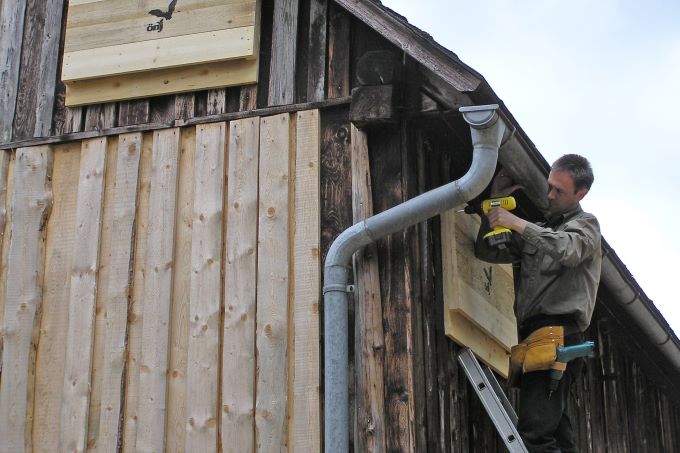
240 288
205 298
82 297
31 201
273 286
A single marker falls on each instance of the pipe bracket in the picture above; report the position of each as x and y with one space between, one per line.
338 288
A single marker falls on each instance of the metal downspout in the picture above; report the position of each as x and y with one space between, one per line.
488 130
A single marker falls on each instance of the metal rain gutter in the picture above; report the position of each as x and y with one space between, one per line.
488 130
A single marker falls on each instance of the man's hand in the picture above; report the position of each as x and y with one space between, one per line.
502 185
501 217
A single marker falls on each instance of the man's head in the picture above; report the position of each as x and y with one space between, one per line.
569 181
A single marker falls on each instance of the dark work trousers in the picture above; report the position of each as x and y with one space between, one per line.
544 423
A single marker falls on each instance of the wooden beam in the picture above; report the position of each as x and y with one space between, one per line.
82 297
155 126
48 68
12 14
284 38
273 285
372 105
205 298
339 23
4 252
240 288
305 424
369 344
416 44
117 290
31 201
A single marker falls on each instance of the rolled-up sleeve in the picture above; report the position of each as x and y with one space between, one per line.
577 242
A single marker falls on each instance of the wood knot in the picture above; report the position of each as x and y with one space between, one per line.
268 330
270 212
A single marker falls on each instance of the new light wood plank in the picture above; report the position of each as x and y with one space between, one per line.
463 331
305 425
31 200
238 349
164 81
12 14
206 286
5 157
49 377
198 18
82 297
370 342
179 335
162 53
272 286
284 39
158 273
134 335
101 304
47 68
4 251
117 291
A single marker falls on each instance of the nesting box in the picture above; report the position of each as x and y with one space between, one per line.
125 49
478 296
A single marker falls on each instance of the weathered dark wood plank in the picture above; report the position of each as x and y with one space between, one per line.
48 68
266 25
184 106
386 177
412 283
24 118
338 76
101 116
133 112
216 101
336 204
369 343
284 39
316 50
162 110
12 14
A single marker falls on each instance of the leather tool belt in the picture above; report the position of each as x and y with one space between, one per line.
535 353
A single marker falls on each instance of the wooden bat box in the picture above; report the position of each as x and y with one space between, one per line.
126 49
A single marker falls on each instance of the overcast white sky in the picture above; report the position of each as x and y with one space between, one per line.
598 78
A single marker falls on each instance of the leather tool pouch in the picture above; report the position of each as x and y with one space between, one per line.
537 352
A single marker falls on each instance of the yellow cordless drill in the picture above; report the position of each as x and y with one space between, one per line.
500 236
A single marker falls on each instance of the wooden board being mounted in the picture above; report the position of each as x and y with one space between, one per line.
126 49
478 296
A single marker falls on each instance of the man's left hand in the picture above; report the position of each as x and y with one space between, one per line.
501 217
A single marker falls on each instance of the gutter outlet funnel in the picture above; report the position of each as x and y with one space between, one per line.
488 130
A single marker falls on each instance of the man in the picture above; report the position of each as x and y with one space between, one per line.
559 275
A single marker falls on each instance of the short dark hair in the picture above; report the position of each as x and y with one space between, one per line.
578 167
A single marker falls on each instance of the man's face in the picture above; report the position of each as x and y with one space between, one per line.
561 195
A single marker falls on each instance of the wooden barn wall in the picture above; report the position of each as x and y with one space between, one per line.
160 291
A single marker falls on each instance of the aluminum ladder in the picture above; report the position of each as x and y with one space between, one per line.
494 400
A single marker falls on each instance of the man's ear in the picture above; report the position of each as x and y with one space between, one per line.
581 193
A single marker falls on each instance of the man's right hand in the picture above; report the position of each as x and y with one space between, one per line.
503 185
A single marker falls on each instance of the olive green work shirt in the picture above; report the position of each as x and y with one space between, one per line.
560 264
